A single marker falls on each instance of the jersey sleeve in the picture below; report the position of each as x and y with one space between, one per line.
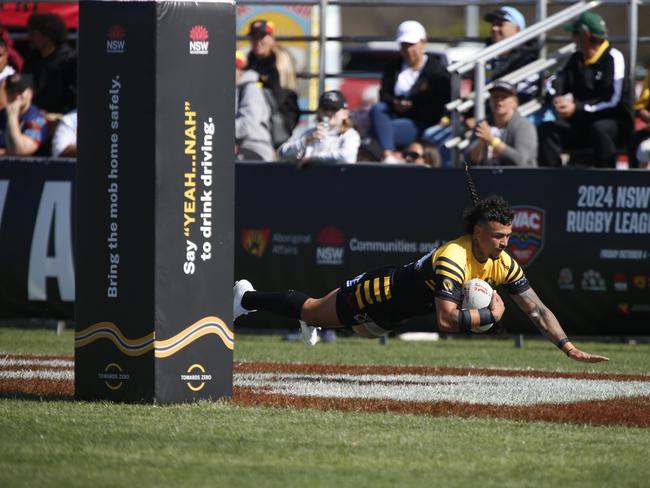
515 281
449 274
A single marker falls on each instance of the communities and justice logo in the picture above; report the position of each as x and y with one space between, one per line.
330 246
527 239
255 241
116 39
199 40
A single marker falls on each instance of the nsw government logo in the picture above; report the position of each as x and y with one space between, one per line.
527 239
199 40
115 39
330 246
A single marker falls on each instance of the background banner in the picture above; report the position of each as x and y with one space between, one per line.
583 237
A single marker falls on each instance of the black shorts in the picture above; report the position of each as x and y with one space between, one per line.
369 299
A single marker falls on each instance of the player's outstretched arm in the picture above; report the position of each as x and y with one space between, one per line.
548 324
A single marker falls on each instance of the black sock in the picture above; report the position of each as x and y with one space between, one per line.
288 303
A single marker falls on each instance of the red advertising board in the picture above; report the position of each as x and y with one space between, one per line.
15 14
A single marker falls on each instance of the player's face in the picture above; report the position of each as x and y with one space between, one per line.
492 238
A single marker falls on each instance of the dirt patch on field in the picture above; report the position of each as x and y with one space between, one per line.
596 399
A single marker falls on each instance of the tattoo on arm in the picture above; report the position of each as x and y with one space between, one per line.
540 315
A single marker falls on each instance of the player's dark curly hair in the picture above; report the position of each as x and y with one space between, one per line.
50 25
493 208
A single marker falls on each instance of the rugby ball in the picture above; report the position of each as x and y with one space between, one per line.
477 294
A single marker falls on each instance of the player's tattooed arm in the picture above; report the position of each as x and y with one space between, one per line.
550 327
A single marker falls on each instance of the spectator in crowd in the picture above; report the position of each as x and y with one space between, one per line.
506 138
16 61
334 137
64 142
413 94
53 63
252 116
422 152
23 127
276 71
5 72
590 98
504 22
640 153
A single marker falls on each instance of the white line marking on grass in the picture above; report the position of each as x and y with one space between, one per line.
37 362
486 390
27 374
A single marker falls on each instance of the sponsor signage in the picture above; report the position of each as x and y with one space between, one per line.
527 239
155 208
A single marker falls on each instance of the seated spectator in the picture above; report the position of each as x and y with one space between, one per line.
504 22
23 128
64 142
506 138
413 93
640 153
252 116
333 139
590 98
277 73
6 70
53 63
422 152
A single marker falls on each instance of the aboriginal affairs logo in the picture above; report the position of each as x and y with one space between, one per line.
330 248
255 241
115 39
199 40
527 239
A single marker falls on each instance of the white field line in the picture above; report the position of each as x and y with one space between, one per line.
486 390
41 374
475 389
54 363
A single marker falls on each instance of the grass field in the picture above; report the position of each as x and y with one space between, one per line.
67 443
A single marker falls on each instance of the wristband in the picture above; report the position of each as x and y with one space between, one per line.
485 316
495 142
565 345
464 321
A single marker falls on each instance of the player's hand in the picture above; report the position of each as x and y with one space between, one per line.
497 307
585 357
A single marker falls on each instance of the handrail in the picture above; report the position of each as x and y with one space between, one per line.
531 32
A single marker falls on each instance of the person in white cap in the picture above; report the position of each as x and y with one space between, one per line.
413 94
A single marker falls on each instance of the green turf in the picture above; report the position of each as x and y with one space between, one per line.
67 443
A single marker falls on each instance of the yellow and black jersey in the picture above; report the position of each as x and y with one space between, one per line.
388 295
442 272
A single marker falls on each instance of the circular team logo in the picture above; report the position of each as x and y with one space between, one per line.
447 284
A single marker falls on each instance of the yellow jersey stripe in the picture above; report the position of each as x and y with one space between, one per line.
357 294
376 289
517 276
387 292
511 269
450 271
447 274
444 261
430 284
366 292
